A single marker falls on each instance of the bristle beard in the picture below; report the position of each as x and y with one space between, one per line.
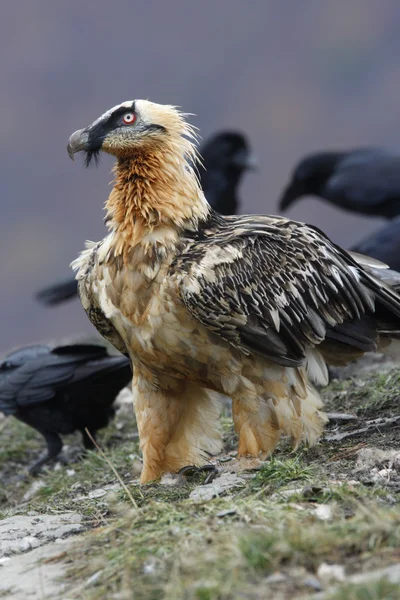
92 158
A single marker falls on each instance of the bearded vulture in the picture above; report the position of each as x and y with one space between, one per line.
253 307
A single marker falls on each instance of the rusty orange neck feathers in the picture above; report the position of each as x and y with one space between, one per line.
155 187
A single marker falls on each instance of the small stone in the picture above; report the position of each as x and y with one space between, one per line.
124 397
28 543
93 578
97 493
283 494
313 583
323 512
170 479
277 577
330 573
150 566
70 472
220 485
76 486
386 473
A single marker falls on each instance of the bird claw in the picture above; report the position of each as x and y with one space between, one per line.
190 470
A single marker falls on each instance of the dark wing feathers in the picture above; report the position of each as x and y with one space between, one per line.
277 287
58 292
366 178
40 372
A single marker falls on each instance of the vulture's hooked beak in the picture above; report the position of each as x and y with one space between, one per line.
77 142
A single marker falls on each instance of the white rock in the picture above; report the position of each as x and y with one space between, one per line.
124 397
17 533
330 573
93 578
170 479
35 575
323 512
220 485
28 543
99 493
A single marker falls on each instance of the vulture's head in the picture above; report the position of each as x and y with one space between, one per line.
129 129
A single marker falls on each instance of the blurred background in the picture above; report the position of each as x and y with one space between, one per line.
294 76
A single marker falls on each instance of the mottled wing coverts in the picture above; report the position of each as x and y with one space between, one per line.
275 287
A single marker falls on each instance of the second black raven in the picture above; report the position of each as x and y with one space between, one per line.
62 389
364 180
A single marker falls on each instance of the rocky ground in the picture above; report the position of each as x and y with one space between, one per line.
318 523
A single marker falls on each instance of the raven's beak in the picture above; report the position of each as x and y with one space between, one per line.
244 160
290 193
252 163
77 142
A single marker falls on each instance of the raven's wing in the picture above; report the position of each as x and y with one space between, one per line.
365 180
59 292
39 379
9 366
383 244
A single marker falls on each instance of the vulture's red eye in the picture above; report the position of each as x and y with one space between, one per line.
129 118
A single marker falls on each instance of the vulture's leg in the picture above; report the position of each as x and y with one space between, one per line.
256 423
176 425
197 434
157 414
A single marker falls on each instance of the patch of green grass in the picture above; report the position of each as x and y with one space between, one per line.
278 472
366 396
377 590
307 541
18 442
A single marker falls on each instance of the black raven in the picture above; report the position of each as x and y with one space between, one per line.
62 389
225 157
364 180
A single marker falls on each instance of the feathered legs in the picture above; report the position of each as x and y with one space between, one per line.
283 401
257 426
177 425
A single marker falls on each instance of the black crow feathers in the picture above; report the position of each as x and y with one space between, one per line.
383 244
58 292
60 390
225 156
365 180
